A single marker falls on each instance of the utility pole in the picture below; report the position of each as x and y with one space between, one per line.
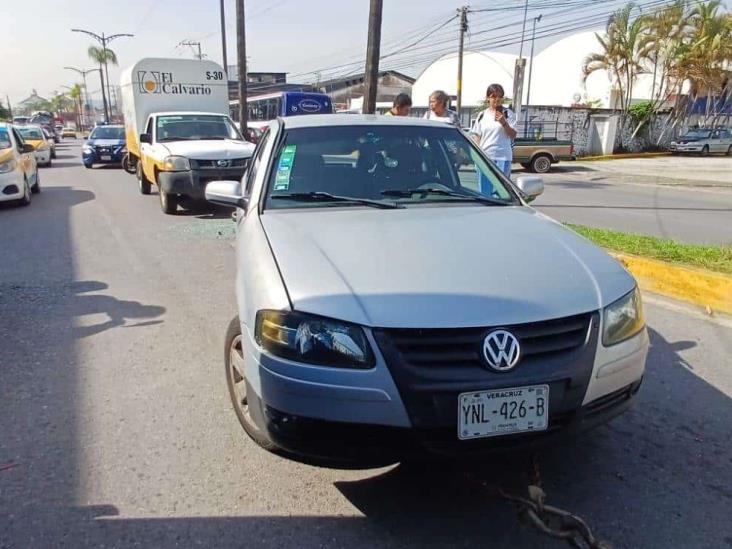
223 38
518 74
104 40
531 66
241 48
523 29
10 109
373 48
463 29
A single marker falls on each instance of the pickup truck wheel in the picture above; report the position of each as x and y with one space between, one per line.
242 396
541 163
705 150
168 202
142 181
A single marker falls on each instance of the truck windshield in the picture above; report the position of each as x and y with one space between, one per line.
108 132
194 127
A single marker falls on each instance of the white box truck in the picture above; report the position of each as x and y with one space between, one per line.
179 134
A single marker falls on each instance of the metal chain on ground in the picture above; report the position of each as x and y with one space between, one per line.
549 520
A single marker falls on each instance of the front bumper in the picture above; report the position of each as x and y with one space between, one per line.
686 148
192 183
11 186
399 408
95 156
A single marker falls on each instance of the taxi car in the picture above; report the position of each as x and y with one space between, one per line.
33 135
18 167
397 293
68 132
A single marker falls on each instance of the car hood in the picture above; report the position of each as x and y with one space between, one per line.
435 267
210 150
5 155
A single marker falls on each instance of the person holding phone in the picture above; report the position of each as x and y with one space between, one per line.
495 129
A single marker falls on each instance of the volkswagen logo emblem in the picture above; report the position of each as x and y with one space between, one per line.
223 163
501 350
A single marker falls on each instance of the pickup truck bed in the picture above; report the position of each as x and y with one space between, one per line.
539 155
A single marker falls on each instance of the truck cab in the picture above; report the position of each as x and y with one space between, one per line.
180 152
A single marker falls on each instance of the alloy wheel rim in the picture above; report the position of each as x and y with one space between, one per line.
237 375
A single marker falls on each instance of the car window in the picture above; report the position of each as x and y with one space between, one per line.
382 162
18 141
715 134
149 129
5 139
255 162
108 132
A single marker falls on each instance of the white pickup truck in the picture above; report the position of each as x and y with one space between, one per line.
179 135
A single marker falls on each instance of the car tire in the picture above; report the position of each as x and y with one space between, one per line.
168 201
705 150
729 151
53 153
26 200
541 163
36 188
240 391
142 182
525 165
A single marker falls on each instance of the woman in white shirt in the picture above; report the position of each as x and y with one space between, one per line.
495 129
439 111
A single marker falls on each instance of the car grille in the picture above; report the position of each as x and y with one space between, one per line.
463 346
214 164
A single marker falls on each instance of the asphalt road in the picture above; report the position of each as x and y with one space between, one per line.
625 196
116 429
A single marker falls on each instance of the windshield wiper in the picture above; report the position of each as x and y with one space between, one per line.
442 192
317 196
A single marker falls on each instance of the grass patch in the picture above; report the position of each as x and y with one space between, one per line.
713 258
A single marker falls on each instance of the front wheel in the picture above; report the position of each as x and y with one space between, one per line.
705 150
242 396
53 153
36 188
168 201
541 164
142 182
729 151
26 200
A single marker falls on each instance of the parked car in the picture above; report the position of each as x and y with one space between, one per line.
106 145
34 135
18 168
704 141
396 294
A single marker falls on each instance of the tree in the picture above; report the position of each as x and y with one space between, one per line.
4 112
76 94
102 57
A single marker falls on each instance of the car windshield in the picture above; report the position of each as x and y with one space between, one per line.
402 165
4 139
31 134
697 134
108 132
196 127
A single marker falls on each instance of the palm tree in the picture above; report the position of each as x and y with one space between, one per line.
102 57
76 94
623 51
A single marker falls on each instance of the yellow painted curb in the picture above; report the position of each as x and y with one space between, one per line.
626 155
697 286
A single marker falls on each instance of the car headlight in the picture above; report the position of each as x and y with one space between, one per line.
176 164
8 166
312 339
87 150
623 319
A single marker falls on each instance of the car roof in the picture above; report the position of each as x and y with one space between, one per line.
324 120
181 113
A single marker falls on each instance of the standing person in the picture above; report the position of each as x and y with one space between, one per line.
402 106
439 111
495 129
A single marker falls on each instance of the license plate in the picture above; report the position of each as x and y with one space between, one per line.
106 158
503 411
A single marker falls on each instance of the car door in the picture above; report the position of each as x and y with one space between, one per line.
26 160
147 152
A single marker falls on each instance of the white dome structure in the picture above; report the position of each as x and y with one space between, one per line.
556 79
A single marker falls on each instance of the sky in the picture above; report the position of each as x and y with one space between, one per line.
294 36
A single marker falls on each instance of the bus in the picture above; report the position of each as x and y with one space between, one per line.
263 108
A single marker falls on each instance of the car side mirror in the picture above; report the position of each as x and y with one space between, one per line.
28 148
146 138
226 193
530 186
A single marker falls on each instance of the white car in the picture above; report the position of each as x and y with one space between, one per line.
18 167
396 293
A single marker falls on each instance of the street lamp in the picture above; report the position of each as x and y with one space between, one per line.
104 40
83 74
